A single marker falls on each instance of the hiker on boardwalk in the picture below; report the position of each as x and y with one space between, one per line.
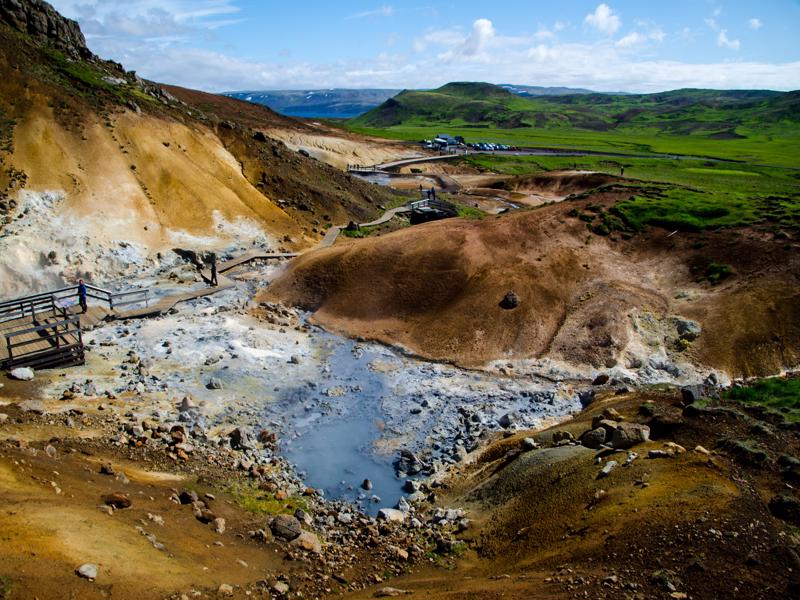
82 296
433 193
213 270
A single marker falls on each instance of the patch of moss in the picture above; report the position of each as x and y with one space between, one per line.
258 501
778 394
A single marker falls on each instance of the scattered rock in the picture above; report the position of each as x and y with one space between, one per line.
392 515
506 421
594 438
188 496
529 444
688 330
214 384
22 374
390 592
117 500
562 436
601 379
219 525
607 468
510 301
308 541
87 571
366 485
627 435
785 507
286 527
281 588
187 405
225 590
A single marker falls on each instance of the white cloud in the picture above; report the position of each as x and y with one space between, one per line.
480 37
634 38
712 24
382 11
724 42
603 20
755 23
478 53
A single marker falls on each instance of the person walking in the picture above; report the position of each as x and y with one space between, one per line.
214 270
82 296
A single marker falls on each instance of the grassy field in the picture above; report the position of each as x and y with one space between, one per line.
753 126
688 195
778 394
772 149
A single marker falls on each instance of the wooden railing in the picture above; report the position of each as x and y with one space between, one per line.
22 307
60 338
433 204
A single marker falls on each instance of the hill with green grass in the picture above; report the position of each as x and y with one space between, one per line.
710 112
746 125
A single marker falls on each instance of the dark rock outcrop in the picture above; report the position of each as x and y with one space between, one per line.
43 23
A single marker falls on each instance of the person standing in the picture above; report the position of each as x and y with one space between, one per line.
214 270
82 296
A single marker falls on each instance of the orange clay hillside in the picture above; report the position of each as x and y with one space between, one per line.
606 302
129 160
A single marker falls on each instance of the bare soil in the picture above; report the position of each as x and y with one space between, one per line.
435 290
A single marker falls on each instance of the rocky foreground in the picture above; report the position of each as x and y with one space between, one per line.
643 494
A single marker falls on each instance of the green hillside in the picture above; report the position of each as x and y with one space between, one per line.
750 125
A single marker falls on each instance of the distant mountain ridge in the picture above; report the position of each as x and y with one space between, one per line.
347 103
714 113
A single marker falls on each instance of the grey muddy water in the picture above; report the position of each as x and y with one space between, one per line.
343 411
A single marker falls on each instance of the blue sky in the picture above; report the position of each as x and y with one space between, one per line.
625 45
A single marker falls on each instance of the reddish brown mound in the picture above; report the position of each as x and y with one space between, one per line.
436 289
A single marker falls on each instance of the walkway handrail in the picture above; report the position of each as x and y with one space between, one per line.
15 308
53 334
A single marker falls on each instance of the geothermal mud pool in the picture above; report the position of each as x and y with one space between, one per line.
343 411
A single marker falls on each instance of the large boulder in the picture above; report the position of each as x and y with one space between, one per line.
594 438
286 527
392 515
627 435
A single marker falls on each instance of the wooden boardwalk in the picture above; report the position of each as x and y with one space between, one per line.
167 303
39 342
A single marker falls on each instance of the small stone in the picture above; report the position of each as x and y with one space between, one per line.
529 444
188 496
286 527
50 451
510 301
607 468
219 525
594 438
629 434
303 517
117 500
187 405
659 454
214 384
601 379
391 515
107 469
389 592
701 450
22 374
506 421
225 590
308 541
366 485
87 571
281 588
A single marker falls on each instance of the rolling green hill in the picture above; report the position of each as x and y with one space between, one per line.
750 125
